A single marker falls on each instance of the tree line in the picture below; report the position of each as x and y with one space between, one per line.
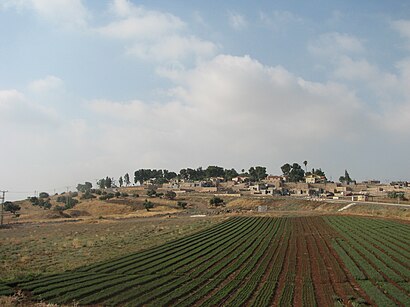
293 172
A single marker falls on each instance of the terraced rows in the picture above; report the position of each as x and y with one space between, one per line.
249 261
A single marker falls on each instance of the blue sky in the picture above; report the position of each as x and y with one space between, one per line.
96 88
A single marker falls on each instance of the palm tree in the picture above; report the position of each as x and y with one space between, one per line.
305 163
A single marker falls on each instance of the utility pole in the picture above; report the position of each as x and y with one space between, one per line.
2 206
66 198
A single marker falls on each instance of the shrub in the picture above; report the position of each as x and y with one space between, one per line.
95 191
124 194
68 201
148 205
135 195
44 195
87 195
170 194
11 207
117 194
182 204
151 193
216 201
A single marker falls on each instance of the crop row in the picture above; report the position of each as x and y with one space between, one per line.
367 257
162 278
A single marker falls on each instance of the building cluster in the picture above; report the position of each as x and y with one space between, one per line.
314 186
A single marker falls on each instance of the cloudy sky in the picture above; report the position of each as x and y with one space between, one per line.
90 88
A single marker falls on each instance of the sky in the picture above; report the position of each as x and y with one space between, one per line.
96 88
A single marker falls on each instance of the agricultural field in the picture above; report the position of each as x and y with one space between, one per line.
252 261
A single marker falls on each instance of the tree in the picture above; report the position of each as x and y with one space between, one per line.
346 178
170 195
101 183
257 173
216 201
297 173
305 163
120 181
12 207
87 186
214 171
286 168
230 173
44 195
398 195
148 205
127 179
108 182
294 172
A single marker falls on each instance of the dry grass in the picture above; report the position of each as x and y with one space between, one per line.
46 248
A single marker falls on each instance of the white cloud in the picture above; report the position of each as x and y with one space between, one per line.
17 110
173 48
45 85
233 105
65 13
403 27
237 21
154 35
335 44
139 23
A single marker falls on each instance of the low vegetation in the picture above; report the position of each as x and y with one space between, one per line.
259 261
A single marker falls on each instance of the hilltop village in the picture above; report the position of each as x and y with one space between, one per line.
294 181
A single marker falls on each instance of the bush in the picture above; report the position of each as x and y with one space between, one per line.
34 201
151 193
95 191
44 195
117 194
68 201
106 196
394 194
73 194
59 208
135 195
87 195
148 205
170 194
182 204
124 194
216 201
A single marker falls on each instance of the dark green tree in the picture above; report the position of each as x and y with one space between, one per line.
230 173
296 174
101 183
87 186
257 173
346 178
286 168
44 195
127 179
120 181
108 182
12 207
